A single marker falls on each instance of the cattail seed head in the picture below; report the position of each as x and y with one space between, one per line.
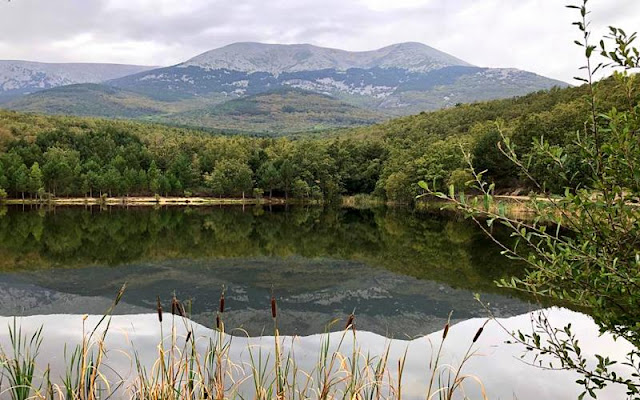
221 302
475 338
218 322
350 321
188 336
176 307
159 308
274 312
446 331
120 294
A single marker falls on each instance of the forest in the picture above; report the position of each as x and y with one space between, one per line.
57 156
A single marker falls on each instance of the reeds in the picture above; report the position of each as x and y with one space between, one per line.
192 366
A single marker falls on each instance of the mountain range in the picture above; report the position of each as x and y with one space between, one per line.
23 77
265 88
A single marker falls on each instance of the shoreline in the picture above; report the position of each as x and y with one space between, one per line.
147 201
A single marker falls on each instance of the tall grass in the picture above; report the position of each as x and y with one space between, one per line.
188 366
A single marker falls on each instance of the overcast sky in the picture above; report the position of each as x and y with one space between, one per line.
534 35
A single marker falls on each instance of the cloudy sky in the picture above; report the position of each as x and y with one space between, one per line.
534 35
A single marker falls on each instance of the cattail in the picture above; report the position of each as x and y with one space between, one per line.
188 336
350 321
446 331
218 322
176 307
159 308
222 303
120 294
478 334
274 312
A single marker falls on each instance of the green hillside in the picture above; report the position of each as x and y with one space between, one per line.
277 112
81 156
88 100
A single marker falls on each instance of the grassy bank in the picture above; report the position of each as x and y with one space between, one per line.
189 365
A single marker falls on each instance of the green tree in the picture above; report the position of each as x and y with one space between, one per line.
21 179
269 177
301 189
592 263
287 172
36 184
59 169
153 177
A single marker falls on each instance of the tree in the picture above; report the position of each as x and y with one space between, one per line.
230 177
21 179
594 262
153 177
287 174
4 181
59 169
35 185
301 189
269 177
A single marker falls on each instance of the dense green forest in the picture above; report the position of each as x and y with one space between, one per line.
70 156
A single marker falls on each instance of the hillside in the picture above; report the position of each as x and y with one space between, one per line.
88 100
342 88
387 159
18 78
276 112
396 80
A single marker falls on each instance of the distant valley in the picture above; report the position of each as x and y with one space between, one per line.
265 88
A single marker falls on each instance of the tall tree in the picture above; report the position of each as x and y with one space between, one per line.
35 180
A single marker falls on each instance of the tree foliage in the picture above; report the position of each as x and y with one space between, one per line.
583 246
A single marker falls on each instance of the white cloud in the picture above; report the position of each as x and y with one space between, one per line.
534 35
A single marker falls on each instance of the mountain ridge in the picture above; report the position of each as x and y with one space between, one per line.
279 58
19 77
363 87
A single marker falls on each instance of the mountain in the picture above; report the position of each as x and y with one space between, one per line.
341 88
396 80
278 58
277 112
22 77
88 99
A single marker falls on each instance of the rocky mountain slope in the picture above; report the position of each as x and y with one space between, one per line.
278 58
22 77
401 79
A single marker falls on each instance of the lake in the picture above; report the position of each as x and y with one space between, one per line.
402 272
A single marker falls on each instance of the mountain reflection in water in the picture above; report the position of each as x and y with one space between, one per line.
401 271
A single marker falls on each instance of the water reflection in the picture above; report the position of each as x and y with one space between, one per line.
496 364
402 272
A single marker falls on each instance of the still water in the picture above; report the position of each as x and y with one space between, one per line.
402 272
